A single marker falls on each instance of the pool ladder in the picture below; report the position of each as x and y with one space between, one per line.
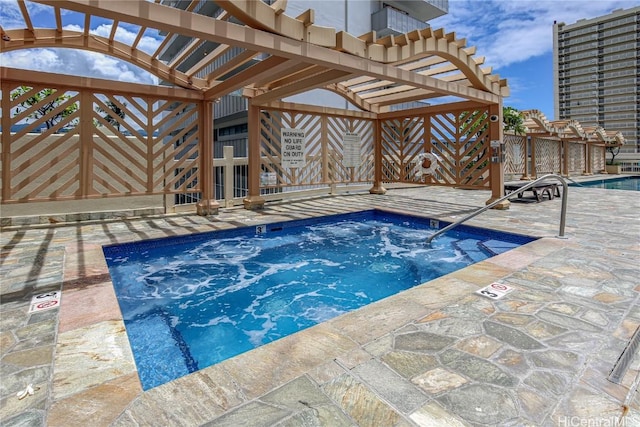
563 213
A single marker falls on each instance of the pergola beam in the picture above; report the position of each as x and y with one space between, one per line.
193 25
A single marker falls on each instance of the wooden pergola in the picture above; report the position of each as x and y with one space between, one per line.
571 133
279 56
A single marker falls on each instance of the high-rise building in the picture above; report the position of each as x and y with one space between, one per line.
597 73
353 16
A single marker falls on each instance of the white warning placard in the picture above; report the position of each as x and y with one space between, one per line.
293 145
495 290
45 301
351 150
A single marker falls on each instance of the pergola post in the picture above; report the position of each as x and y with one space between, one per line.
254 201
377 160
86 144
496 167
208 204
564 155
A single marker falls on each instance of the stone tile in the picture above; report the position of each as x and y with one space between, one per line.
391 387
190 400
480 404
535 407
20 378
360 403
440 292
96 406
476 368
7 340
542 330
608 298
354 358
409 364
518 306
32 357
593 408
387 315
564 308
421 342
20 410
326 372
554 359
276 363
88 303
513 360
513 319
434 415
512 336
260 414
547 383
90 356
438 380
567 321
481 346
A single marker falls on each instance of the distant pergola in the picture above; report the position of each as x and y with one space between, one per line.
570 131
279 56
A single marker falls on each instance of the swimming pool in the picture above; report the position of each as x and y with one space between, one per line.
190 302
624 183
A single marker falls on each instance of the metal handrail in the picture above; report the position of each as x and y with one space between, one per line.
563 213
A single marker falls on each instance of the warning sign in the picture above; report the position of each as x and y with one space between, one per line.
293 145
351 147
45 301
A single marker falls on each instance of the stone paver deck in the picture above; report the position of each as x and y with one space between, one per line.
434 355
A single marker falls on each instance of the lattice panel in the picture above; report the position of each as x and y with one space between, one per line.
461 140
175 158
128 145
402 141
547 155
576 161
323 149
515 154
144 145
598 158
44 165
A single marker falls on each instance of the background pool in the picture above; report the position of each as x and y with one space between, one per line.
193 301
625 183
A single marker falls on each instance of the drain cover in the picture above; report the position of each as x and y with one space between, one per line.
620 368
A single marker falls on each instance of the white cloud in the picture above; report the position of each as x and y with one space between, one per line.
84 63
510 31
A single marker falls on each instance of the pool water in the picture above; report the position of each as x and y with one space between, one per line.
190 302
625 183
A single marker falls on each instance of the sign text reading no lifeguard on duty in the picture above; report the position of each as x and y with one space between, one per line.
293 144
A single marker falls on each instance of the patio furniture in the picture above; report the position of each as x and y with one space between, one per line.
539 190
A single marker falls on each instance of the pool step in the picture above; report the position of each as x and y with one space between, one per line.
479 251
472 249
496 247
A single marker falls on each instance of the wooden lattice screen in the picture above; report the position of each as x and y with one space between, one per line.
576 162
515 156
82 144
324 150
459 139
548 155
598 156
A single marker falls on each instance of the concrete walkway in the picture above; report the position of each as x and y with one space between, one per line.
435 355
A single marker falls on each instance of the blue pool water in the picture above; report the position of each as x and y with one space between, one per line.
193 301
625 183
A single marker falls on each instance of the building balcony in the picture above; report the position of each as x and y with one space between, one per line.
422 10
391 21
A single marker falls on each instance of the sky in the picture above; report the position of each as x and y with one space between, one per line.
515 37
